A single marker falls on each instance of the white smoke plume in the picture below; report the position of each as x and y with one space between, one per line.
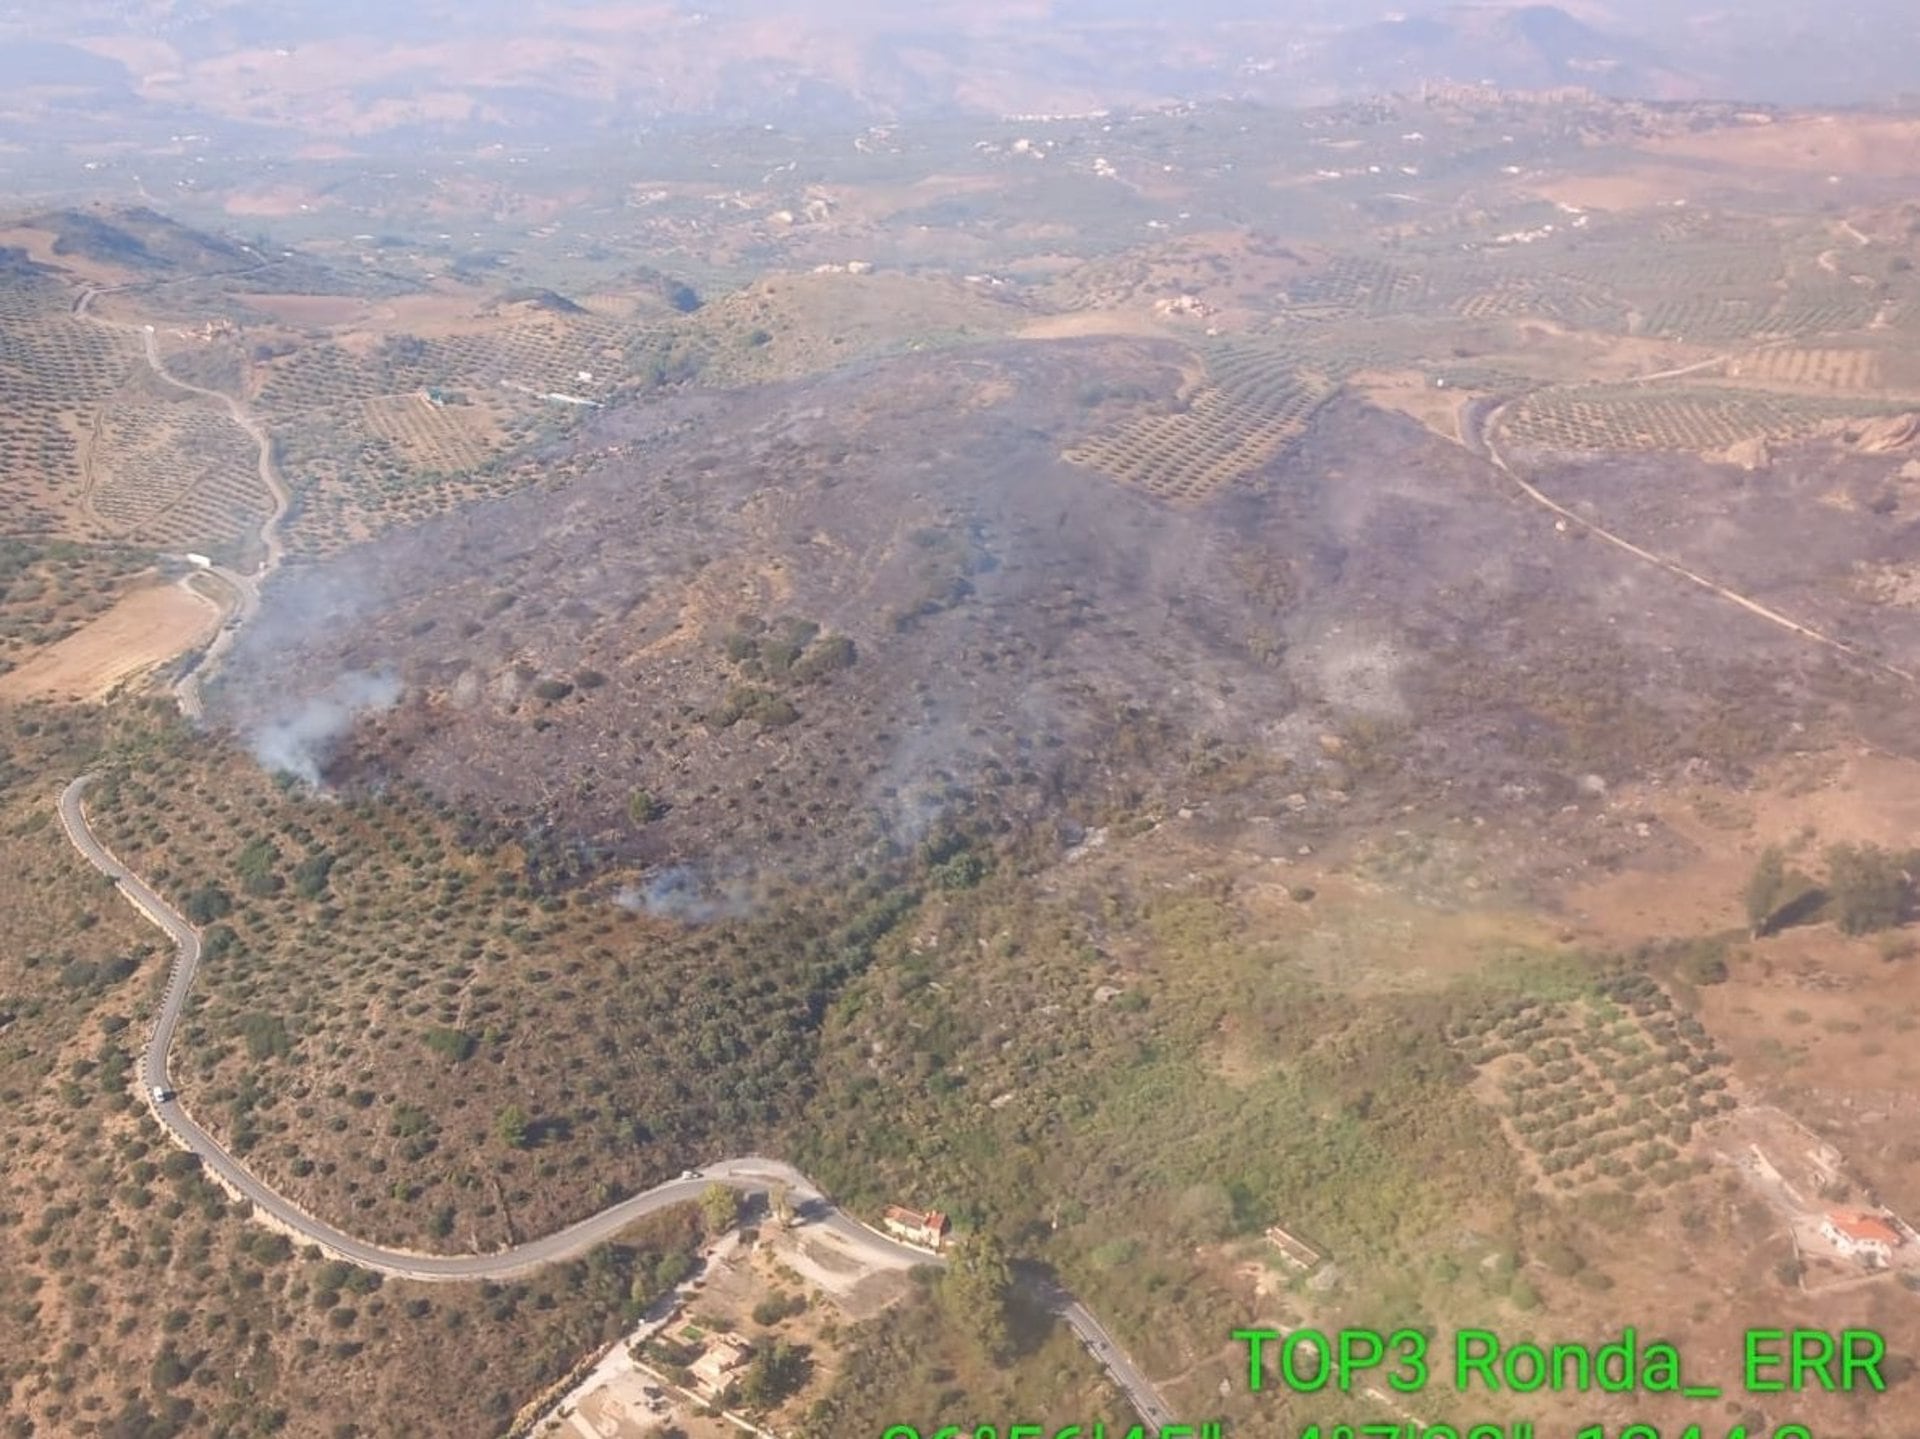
300 742
681 893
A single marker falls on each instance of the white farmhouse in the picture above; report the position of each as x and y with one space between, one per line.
1860 1235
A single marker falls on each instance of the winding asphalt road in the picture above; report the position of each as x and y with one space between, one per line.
1107 1353
246 604
750 1174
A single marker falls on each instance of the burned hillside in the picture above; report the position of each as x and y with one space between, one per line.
786 625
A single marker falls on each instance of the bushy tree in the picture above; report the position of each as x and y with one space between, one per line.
311 874
776 1371
1868 886
975 1290
456 1044
719 1208
258 875
513 1127
207 903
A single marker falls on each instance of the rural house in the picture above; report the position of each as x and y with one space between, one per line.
719 1364
928 1231
1860 1235
1296 1251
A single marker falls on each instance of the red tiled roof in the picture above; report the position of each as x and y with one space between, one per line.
1863 1228
933 1219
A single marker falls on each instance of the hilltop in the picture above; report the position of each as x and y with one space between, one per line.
780 626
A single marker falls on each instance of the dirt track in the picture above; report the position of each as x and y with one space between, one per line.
1478 420
245 588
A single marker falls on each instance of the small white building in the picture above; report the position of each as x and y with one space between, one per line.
1293 1249
1860 1235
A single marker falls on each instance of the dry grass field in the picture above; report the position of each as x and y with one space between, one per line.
545 353
1608 1089
1856 370
386 979
435 438
50 590
144 630
55 373
803 324
360 466
384 427
227 1326
1236 278
1818 145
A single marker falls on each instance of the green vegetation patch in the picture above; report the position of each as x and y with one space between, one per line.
1607 1089
772 659
357 950
49 589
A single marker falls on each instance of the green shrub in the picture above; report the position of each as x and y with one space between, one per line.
455 1044
835 652
1868 886
96 974
311 875
776 1307
206 904
266 1036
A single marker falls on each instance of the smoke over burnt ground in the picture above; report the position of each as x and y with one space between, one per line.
654 658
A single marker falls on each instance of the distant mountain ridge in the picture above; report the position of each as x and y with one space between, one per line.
1529 47
355 72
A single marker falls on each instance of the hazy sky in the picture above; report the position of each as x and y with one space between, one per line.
362 66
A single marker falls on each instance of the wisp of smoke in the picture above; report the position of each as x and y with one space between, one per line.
300 742
680 893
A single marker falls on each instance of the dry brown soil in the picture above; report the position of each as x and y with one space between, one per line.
141 632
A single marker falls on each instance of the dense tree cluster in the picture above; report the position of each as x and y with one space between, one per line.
1867 889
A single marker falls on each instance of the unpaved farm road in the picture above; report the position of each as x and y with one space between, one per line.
257 432
752 1173
246 588
1477 419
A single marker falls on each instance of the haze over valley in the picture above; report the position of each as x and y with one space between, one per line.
812 717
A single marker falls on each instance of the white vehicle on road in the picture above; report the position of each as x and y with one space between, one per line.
161 1094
